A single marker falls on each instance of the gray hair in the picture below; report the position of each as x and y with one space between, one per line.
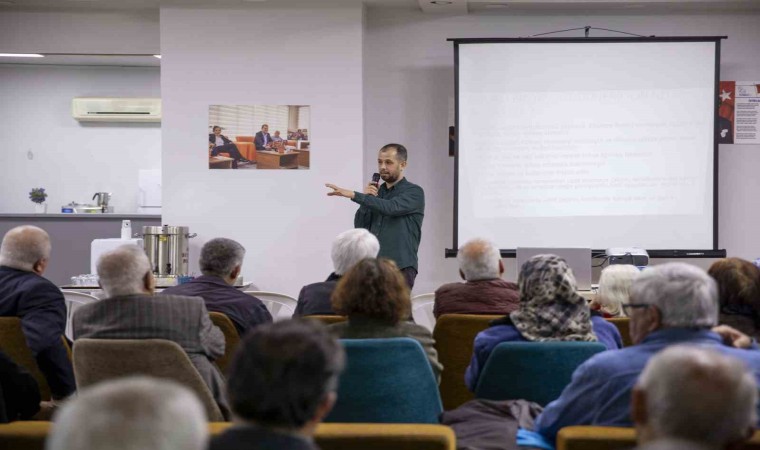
700 395
122 270
479 260
220 256
351 246
136 413
24 246
615 288
686 295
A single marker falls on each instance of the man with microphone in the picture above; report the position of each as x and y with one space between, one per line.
393 212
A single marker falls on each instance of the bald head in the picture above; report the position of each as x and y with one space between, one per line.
695 394
479 260
26 248
125 271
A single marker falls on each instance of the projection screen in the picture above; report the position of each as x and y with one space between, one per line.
587 143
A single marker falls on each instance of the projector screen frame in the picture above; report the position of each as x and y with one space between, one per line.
715 252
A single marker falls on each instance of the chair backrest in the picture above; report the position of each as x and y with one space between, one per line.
327 319
231 338
599 438
454 336
280 306
98 360
386 381
422 310
13 344
73 301
244 138
533 371
373 436
623 325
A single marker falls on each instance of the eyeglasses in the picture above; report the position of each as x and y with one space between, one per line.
628 309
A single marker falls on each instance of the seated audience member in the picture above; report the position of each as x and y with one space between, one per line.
219 143
348 248
375 297
25 294
550 310
277 137
697 395
614 289
673 303
19 392
483 292
129 414
282 383
738 294
220 262
131 311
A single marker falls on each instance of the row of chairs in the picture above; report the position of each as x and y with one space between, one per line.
339 436
329 436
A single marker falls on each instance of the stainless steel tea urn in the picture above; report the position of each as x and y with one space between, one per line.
168 249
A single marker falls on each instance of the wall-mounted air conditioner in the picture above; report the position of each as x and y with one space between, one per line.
96 109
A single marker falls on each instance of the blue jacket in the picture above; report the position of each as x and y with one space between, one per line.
488 339
600 391
42 309
244 311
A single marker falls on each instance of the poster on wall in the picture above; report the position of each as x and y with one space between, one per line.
246 137
739 112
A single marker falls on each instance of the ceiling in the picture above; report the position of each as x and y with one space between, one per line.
445 6
432 7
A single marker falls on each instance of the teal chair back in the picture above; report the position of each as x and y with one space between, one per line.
533 371
386 381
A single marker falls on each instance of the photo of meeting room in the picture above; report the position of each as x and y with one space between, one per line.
244 137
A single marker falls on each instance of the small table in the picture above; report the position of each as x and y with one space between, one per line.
267 159
219 162
303 158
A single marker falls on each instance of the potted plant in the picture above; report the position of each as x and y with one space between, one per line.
38 196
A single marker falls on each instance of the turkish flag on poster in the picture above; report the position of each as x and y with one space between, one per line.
726 112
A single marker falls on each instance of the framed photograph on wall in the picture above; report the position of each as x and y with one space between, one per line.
246 137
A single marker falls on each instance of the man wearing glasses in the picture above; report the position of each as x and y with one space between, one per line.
671 304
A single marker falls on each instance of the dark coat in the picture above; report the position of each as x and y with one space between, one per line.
244 310
42 309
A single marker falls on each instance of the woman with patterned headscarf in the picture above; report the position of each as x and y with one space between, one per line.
550 310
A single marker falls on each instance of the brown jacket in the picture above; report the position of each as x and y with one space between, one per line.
477 297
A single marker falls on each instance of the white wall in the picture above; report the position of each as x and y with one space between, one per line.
313 57
409 77
79 32
71 159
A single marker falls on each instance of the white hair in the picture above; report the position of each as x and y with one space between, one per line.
615 288
351 246
686 295
23 247
699 395
136 413
122 270
479 260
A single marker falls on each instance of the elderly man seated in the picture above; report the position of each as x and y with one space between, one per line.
220 262
483 292
24 293
348 248
131 311
695 395
131 413
671 304
283 382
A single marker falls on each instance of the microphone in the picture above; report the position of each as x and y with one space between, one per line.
376 179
